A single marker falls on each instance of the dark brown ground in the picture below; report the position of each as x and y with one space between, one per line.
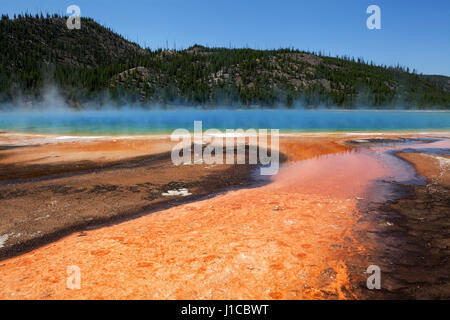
411 236
41 209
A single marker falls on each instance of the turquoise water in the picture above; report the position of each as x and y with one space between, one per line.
143 122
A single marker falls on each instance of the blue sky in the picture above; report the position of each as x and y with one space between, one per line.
413 33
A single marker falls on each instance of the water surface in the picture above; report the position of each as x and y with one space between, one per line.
160 121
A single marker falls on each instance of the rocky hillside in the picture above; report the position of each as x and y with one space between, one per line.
95 63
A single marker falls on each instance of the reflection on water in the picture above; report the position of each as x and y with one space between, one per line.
343 174
353 173
140 121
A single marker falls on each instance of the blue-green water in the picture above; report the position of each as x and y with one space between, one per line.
132 122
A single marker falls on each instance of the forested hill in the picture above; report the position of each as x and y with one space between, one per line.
96 64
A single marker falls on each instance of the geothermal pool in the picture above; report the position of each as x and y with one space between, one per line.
133 121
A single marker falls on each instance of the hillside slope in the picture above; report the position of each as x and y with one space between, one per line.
96 63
